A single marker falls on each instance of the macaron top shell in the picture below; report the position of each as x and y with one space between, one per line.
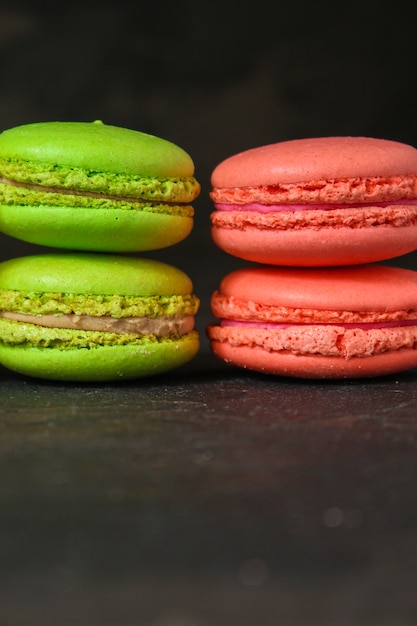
95 274
96 146
322 158
365 288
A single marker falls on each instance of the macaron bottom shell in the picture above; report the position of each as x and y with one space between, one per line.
314 366
320 247
97 230
100 363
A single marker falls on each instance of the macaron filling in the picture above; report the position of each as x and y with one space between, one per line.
160 326
80 188
36 196
345 203
271 208
20 334
280 326
106 315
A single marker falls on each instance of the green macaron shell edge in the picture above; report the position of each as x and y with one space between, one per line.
116 306
96 146
92 273
96 230
101 363
13 195
35 183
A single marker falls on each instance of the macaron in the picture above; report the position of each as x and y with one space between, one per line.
91 186
95 317
320 323
317 202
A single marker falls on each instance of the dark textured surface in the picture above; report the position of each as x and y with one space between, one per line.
210 496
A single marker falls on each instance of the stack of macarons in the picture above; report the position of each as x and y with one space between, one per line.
318 218
94 311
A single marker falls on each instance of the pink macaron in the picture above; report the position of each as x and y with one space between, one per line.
340 322
317 202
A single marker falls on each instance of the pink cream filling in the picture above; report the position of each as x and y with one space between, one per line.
270 208
279 326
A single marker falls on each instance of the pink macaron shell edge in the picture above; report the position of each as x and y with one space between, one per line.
326 246
314 366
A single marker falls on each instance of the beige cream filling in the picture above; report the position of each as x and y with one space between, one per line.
127 325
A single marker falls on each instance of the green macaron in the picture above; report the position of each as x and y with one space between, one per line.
91 186
95 317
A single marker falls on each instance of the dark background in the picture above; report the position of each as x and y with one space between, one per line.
209 496
214 77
